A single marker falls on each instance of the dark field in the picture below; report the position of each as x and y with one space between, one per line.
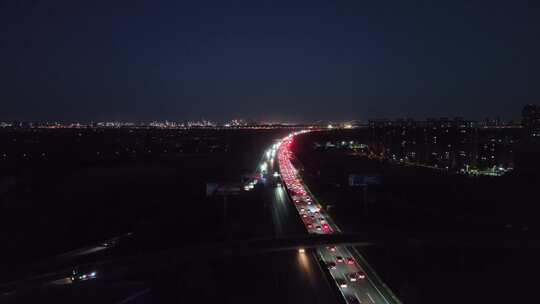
64 189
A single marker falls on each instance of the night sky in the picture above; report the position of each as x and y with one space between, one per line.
270 60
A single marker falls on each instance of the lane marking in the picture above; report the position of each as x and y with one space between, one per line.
357 297
133 296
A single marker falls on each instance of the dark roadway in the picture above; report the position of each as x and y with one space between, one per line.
299 276
277 277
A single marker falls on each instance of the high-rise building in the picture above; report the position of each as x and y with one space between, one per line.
527 154
531 122
452 144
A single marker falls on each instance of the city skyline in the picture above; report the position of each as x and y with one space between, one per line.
238 121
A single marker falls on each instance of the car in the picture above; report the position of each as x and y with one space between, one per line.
304 215
332 248
352 277
77 275
350 261
339 259
360 275
342 283
309 226
319 228
301 250
331 265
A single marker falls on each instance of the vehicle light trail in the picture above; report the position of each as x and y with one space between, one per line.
356 281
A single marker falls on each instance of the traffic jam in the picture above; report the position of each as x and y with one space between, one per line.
342 265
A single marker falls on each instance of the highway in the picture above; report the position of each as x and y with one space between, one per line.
299 276
356 281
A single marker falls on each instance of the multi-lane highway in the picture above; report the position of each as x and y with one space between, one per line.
300 272
354 279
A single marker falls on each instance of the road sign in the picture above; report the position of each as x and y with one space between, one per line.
222 189
360 180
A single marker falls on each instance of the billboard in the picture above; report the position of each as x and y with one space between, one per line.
362 180
222 189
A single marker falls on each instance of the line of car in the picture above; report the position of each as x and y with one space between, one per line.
341 264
